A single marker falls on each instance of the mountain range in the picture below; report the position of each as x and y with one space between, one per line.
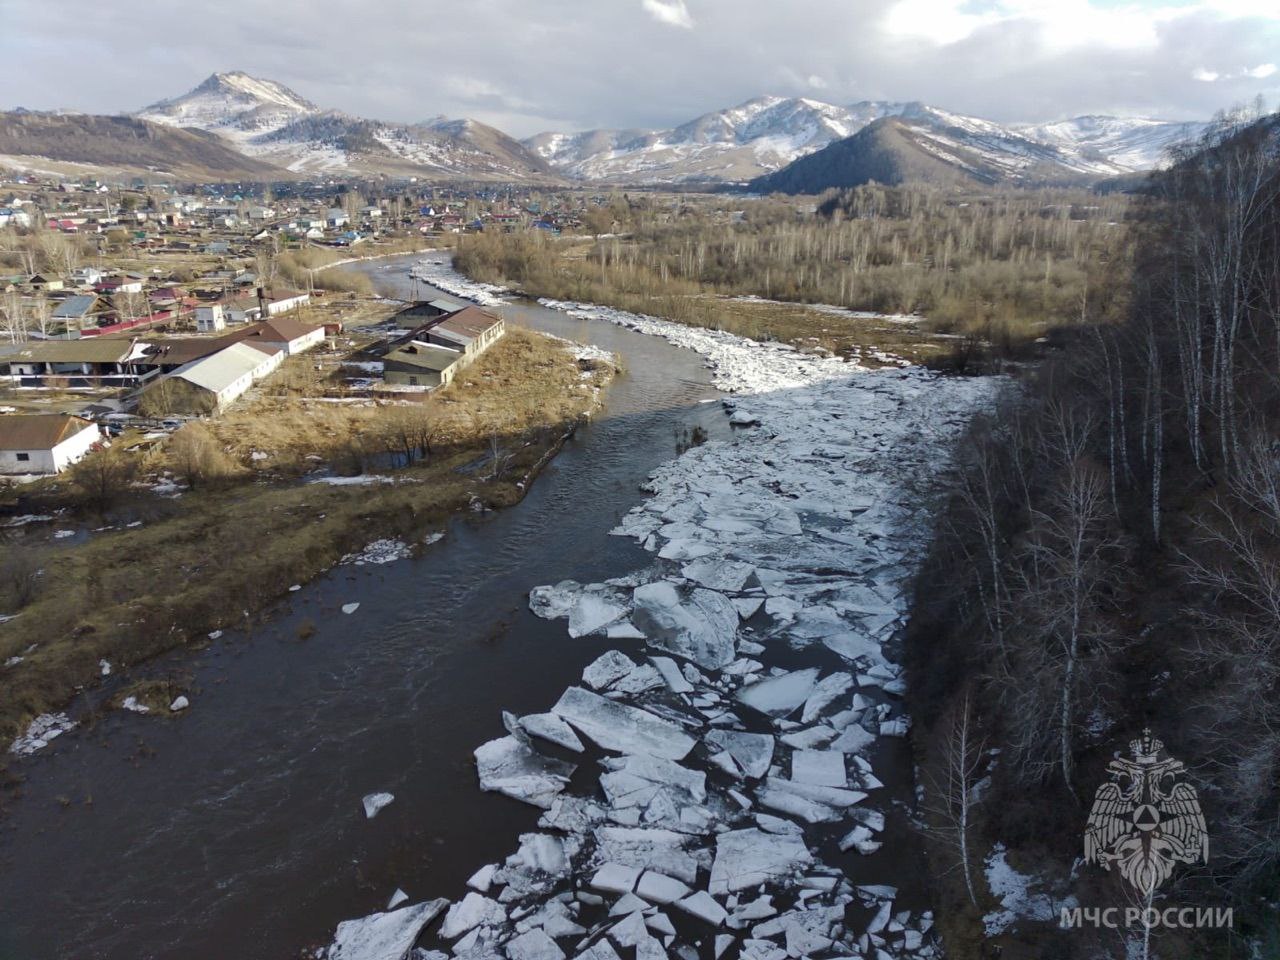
268 121
775 142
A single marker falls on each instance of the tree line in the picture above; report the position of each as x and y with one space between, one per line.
1005 265
1111 558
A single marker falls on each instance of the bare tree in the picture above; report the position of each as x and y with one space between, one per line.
194 455
13 317
103 477
1068 561
955 789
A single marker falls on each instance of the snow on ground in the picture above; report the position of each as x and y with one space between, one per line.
798 534
1021 895
437 272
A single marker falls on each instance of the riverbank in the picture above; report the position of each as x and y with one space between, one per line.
159 573
745 706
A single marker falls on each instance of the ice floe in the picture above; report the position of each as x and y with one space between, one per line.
374 803
383 936
40 732
732 741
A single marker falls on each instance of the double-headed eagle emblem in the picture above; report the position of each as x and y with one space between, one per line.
1145 820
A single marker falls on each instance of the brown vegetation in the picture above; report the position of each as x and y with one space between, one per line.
1004 266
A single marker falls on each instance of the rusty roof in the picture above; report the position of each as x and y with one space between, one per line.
469 322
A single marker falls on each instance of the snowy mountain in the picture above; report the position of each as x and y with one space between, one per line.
1131 143
234 105
768 133
268 121
734 144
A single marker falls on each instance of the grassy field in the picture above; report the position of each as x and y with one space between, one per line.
129 593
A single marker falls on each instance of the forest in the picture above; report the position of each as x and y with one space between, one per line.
1110 562
1004 266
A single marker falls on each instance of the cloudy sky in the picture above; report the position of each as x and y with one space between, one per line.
530 65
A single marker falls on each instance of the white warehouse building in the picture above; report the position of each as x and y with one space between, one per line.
44 443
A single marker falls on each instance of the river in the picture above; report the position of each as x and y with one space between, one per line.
236 830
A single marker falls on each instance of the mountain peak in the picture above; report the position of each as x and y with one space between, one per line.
232 93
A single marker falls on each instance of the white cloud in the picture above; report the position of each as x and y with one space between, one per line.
671 12
817 82
1260 72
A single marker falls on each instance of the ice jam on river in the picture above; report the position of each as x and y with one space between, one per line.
700 783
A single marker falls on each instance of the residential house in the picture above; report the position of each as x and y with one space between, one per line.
13 217
261 213
78 312
336 217
114 285
44 443
167 295
86 276
43 282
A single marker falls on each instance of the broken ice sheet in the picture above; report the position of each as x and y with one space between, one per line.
606 669
822 767
637 781
750 857
534 945
752 752
623 728
593 611
781 695
510 767
471 911
554 602
701 627
374 802
552 729
726 576
383 935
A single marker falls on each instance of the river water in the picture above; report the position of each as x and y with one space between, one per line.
236 830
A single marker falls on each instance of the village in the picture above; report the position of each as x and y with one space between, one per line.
128 309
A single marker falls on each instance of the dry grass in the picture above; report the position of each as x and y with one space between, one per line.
225 552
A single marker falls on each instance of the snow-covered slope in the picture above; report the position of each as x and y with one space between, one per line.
1129 143
267 120
768 133
235 105
734 144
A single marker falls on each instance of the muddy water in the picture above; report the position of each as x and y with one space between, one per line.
236 830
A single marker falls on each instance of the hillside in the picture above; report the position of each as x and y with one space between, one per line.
1123 504
123 144
267 120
